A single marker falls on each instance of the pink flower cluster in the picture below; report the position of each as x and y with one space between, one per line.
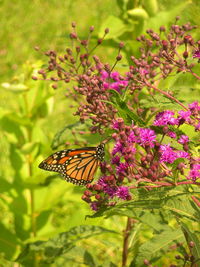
143 155
114 81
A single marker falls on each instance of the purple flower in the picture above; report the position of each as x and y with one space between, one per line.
194 106
143 71
147 137
94 205
108 189
123 192
165 118
115 160
123 83
184 115
118 81
182 154
122 168
105 85
194 172
196 54
184 139
167 154
115 125
197 127
104 74
101 181
132 138
117 148
115 76
111 191
115 86
118 85
171 134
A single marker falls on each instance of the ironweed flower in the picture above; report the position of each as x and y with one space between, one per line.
138 155
195 171
149 145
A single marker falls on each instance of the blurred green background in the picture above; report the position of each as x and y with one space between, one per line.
35 205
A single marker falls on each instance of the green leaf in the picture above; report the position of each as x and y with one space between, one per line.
88 259
15 88
20 120
174 201
122 4
57 141
138 13
123 109
151 7
5 186
42 219
12 130
16 159
152 218
166 17
19 208
116 27
157 245
60 244
30 147
8 242
192 236
159 101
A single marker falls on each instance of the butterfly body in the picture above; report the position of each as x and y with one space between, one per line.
77 166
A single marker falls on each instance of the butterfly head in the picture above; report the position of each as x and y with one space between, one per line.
100 152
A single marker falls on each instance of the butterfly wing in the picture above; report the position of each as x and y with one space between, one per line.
77 166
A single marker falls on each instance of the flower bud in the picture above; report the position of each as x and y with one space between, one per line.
146 262
185 54
191 244
91 28
97 187
162 28
73 24
54 86
106 30
73 35
121 45
164 44
119 57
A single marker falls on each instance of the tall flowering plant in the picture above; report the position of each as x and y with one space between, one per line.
152 136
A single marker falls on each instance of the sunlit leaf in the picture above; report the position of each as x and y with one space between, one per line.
15 88
116 27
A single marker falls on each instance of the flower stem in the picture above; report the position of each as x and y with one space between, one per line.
166 94
194 74
125 242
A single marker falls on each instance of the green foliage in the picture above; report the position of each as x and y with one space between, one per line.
41 216
157 246
123 110
175 201
192 236
60 245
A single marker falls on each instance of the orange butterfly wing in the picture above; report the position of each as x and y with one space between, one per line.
77 166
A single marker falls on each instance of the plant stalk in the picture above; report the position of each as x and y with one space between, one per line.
125 242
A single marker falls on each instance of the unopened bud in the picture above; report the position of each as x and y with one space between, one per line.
106 31
73 24
54 86
91 28
119 57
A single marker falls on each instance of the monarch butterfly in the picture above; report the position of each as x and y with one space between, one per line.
77 166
